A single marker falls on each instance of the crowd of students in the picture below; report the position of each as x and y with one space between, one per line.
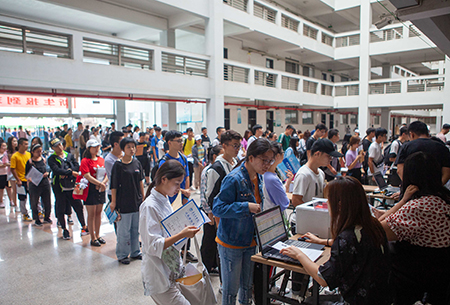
237 177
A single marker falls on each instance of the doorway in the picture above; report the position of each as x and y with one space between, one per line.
269 120
331 120
227 119
251 119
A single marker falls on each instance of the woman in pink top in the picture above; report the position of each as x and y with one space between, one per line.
4 166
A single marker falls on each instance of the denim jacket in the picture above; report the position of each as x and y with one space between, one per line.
231 206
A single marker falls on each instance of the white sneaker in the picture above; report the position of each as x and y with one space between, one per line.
192 188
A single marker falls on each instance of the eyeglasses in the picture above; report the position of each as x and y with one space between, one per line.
236 146
267 161
179 141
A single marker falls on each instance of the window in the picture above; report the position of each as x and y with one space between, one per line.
269 63
225 53
291 116
376 120
251 118
227 119
353 119
306 71
292 67
344 119
323 118
332 78
307 118
324 76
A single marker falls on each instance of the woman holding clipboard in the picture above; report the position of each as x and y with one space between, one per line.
161 261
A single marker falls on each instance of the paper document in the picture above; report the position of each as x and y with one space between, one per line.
112 215
188 215
35 176
313 254
21 190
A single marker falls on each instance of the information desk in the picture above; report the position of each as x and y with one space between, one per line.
257 258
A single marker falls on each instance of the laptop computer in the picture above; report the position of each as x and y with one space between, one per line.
383 186
270 230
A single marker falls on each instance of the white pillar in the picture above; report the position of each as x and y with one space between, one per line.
438 120
169 116
121 114
386 70
167 38
446 107
364 65
214 48
385 120
77 47
250 7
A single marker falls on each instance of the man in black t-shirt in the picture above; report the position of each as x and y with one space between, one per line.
319 132
205 138
142 150
127 192
420 141
370 134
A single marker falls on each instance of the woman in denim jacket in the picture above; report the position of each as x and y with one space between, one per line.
241 196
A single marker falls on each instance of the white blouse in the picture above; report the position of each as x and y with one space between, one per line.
155 273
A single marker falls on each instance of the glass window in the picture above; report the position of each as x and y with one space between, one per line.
353 119
307 118
291 117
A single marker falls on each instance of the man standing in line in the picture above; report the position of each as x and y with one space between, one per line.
333 167
154 143
75 139
257 131
18 164
319 132
206 142
370 134
285 137
219 131
397 144
376 160
189 142
445 129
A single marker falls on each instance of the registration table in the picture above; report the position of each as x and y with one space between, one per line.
267 263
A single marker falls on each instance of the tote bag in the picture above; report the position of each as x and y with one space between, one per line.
197 289
79 192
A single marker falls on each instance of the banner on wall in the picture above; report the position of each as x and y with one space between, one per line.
239 118
189 113
278 118
32 101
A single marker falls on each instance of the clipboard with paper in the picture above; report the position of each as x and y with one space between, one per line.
35 176
188 215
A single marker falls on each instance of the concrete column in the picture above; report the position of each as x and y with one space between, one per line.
386 70
385 120
121 114
438 120
214 48
167 38
446 106
169 116
77 47
278 18
364 65
250 7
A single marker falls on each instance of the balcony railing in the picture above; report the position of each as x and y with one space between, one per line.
385 88
265 79
310 32
346 90
264 12
239 4
309 87
235 74
289 83
386 35
346 41
289 23
33 41
327 39
115 54
179 64
425 85
326 90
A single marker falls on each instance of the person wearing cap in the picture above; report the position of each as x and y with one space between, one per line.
42 189
445 129
64 173
198 153
93 169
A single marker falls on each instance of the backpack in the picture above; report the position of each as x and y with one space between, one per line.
218 167
165 158
387 152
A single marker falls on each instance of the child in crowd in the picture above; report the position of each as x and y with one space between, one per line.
127 192
161 264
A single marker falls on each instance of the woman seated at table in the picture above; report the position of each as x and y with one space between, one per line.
359 263
420 223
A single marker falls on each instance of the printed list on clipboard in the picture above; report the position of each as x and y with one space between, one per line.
188 215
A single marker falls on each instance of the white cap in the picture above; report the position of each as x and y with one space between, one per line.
198 137
92 143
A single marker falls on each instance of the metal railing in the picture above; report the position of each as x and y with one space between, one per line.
289 23
386 35
385 88
310 32
115 54
264 12
425 85
265 79
235 74
326 90
289 83
346 41
179 64
239 4
32 41
327 39
414 31
346 90
309 87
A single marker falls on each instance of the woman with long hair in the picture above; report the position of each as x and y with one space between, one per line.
12 147
359 264
240 197
293 148
93 169
161 261
420 225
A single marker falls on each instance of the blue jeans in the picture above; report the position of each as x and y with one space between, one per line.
237 274
128 236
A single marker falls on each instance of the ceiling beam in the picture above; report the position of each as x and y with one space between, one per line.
184 20
426 9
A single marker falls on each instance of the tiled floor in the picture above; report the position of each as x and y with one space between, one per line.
38 267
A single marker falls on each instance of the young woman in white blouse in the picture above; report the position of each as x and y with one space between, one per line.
161 262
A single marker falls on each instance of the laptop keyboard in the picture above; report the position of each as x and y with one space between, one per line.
299 244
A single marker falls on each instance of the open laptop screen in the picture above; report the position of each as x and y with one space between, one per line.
380 180
270 227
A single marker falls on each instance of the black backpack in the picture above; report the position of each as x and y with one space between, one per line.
386 153
218 167
165 158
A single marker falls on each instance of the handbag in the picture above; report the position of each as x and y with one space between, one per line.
81 189
197 289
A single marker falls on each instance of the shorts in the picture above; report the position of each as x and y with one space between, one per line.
94 196
3 181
